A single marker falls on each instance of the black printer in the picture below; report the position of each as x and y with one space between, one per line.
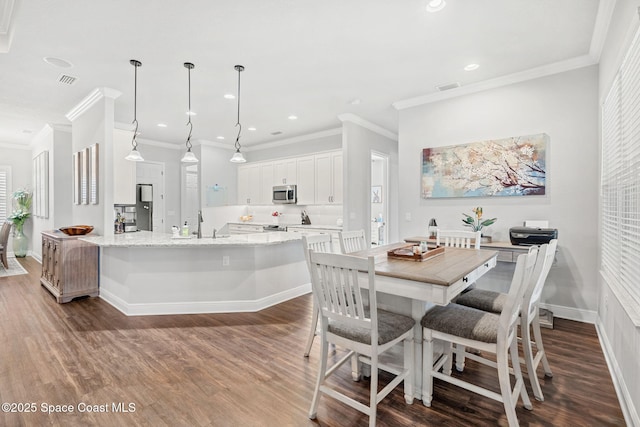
532 235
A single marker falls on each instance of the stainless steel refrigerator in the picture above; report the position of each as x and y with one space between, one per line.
144 206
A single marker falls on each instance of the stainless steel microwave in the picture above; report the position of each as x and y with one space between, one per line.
285 194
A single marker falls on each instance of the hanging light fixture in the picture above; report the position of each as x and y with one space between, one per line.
189 157
134 155
237 156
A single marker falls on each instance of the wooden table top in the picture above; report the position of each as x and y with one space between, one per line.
444 270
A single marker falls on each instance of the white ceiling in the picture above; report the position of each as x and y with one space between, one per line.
302 57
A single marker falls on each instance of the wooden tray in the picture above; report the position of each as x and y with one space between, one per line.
407 253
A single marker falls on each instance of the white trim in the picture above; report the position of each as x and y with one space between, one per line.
160 144
90 100
353 118
293 140
14 146
572 313
533 73
196 307
601 28
215 144
629 411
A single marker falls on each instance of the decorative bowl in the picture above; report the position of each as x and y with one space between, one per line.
76 230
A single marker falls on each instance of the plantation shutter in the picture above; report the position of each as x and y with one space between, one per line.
620 180
5 201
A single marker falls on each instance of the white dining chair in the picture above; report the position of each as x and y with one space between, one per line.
317 243
493 302
352 241
4 239
488 332
346 322
458 238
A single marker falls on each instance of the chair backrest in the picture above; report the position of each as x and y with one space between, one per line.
546 254
352 241
317 243
458 239
336 288
4 234
511 310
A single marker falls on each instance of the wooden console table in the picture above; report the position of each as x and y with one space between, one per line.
69 266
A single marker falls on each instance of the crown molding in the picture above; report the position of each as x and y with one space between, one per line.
293 140
350 117
152 143
8 10
90 100
601 28
14 146
214 144
534 73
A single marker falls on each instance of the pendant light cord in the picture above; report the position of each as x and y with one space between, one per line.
240 68
189 66
135 64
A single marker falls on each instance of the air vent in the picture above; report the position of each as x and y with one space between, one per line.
276 133
448 86
66 79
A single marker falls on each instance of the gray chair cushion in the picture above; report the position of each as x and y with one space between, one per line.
465 322
390 327
483 300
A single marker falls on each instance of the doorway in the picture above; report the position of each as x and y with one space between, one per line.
153 173
379 211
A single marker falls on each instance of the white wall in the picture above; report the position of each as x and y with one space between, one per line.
308 145
618 317
57 142
21 165
564 106
358 142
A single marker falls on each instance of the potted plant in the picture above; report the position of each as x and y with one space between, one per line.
477 223
22 200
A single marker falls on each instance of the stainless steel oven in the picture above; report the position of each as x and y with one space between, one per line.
285 194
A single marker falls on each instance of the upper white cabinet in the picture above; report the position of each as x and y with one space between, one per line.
285 171
328 171
306 180
249 184
124 178
318 177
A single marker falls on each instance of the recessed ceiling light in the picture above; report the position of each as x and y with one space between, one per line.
220 137
162 125
471 67
292 117
229 96
57 62
27 131
252 128
355 101
436 5
191 113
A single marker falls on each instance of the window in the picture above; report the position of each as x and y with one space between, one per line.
5 196
620 180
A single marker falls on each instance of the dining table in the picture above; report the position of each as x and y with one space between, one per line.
411 287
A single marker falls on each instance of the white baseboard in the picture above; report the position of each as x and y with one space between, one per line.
197 307
570 313
629 410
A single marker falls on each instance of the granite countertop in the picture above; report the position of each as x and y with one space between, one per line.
297 225
148 239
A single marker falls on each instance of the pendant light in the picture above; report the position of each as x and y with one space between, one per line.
189 157
134 155
237 156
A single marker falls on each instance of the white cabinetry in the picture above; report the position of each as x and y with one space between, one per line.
124 178
328 182
285 171
245 228
249 184
335 235
306 180
267 181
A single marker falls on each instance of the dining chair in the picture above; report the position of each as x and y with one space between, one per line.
317 243
346 322
489 332
458 239
352 241
493 302
4 240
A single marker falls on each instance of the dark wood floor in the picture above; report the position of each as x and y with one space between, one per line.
240 370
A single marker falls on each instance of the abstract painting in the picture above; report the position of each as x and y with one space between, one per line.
513 166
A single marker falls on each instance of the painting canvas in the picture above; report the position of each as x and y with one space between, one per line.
504 167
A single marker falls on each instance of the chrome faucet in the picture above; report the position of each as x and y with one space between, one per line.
214 233
199 224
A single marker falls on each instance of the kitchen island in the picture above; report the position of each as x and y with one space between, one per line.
146 273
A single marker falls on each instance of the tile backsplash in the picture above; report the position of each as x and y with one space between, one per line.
291 214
